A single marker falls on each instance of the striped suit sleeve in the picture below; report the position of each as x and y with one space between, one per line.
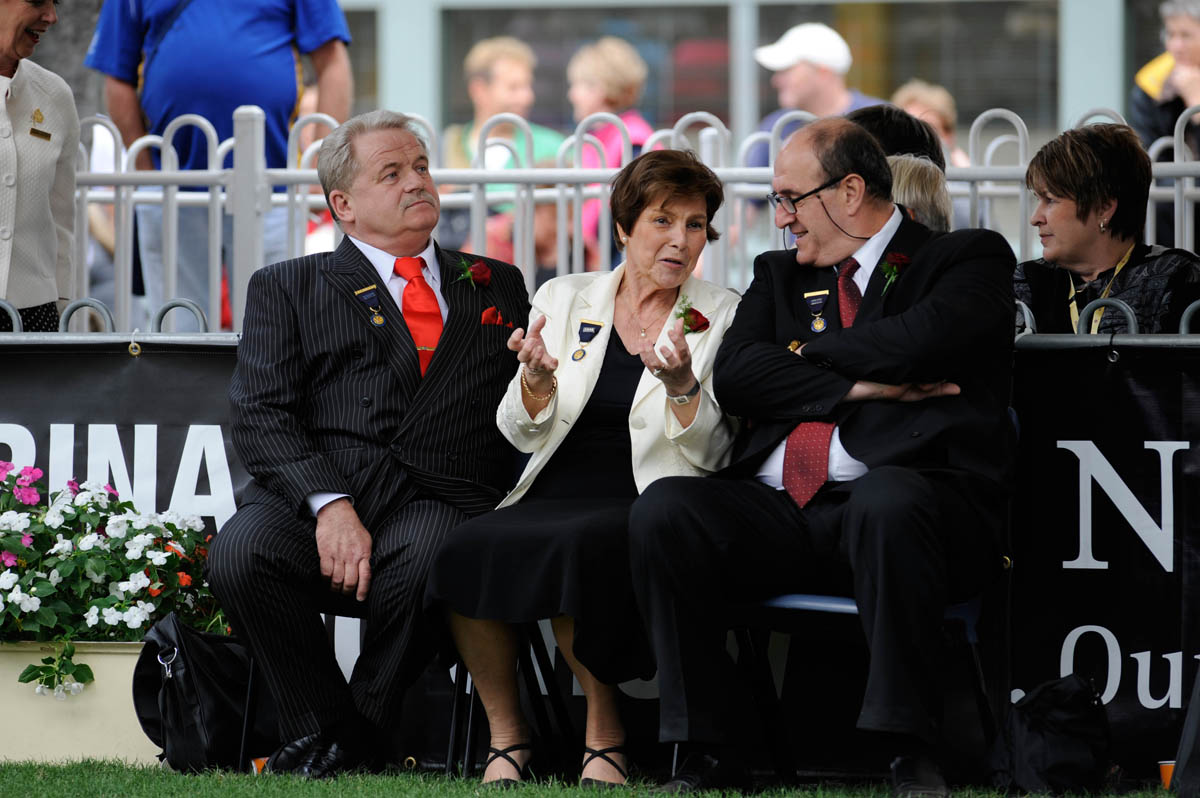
265 400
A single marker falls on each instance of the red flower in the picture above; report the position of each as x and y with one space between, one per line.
491 316
694 321
154 591
185 579
897 259
479 273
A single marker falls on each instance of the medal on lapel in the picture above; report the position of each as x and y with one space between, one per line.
816 306
368 297
587 331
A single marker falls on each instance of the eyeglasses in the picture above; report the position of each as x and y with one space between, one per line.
790 204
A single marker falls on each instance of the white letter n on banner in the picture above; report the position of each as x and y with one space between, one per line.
1094 466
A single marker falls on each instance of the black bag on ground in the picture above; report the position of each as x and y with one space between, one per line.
189 693
1054 740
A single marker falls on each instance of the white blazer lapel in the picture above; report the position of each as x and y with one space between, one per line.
577 378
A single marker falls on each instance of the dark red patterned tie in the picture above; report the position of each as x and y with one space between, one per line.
806 455
420 308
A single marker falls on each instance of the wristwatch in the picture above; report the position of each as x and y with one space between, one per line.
685 398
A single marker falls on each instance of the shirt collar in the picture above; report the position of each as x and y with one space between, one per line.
384 262
871 252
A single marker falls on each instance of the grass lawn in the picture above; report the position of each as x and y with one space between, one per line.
92 778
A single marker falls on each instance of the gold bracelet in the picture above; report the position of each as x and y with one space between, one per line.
544 397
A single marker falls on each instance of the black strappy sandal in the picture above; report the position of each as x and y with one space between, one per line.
523 772
603 753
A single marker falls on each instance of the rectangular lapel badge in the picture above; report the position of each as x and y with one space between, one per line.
41 134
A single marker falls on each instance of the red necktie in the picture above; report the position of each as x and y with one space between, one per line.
806 454
420 309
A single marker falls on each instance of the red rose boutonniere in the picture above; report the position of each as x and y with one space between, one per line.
693 320
891 264
479 273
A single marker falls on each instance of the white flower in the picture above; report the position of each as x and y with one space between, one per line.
83 498
146 607
112 616
74 688
157 557
137 544
92 616
60 693
27 602
137 581
194 523
14 521
8 579
89 541
141 521
63 546
92 575
41 690
91 486
170 517
55 577
134 617
117 526
53 518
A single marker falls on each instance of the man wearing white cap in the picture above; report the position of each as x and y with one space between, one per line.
810 63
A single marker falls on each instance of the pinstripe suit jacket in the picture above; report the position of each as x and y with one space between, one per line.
324 400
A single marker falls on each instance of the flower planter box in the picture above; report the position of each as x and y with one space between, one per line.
99 723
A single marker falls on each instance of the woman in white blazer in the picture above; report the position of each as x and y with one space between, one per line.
614 392
39 142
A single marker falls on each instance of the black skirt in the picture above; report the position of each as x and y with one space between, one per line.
564 548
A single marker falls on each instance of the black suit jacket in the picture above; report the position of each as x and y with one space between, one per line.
325 400
947 316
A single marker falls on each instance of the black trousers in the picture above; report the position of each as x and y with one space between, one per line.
903 542
264 569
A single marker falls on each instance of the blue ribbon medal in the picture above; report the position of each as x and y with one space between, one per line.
369 297
587 331
816 305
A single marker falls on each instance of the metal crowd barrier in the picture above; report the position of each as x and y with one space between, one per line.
245 192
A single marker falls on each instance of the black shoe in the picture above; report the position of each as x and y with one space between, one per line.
315 756
289 755
917 777
503 753
603 753
705 772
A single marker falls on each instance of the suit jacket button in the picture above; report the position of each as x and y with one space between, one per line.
916 434
637 422
365 401
818 409
452 456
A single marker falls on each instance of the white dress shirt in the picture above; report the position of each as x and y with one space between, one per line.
842 466
383 263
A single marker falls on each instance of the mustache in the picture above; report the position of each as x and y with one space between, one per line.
422 196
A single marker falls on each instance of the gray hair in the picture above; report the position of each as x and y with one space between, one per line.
337 166
1180 8
920 186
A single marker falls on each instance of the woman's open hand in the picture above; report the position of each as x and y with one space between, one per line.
674 368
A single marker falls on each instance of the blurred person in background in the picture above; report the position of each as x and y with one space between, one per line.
607 75
1090 185
499 75
933 104
899 132
920 187
39 139
810 62
1163 89
166 58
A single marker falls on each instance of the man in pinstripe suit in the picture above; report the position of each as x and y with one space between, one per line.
364 454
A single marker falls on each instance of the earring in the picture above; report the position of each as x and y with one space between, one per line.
1102 223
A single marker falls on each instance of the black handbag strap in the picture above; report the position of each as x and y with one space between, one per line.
179 8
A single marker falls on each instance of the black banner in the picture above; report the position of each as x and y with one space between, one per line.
1105 529
154 424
